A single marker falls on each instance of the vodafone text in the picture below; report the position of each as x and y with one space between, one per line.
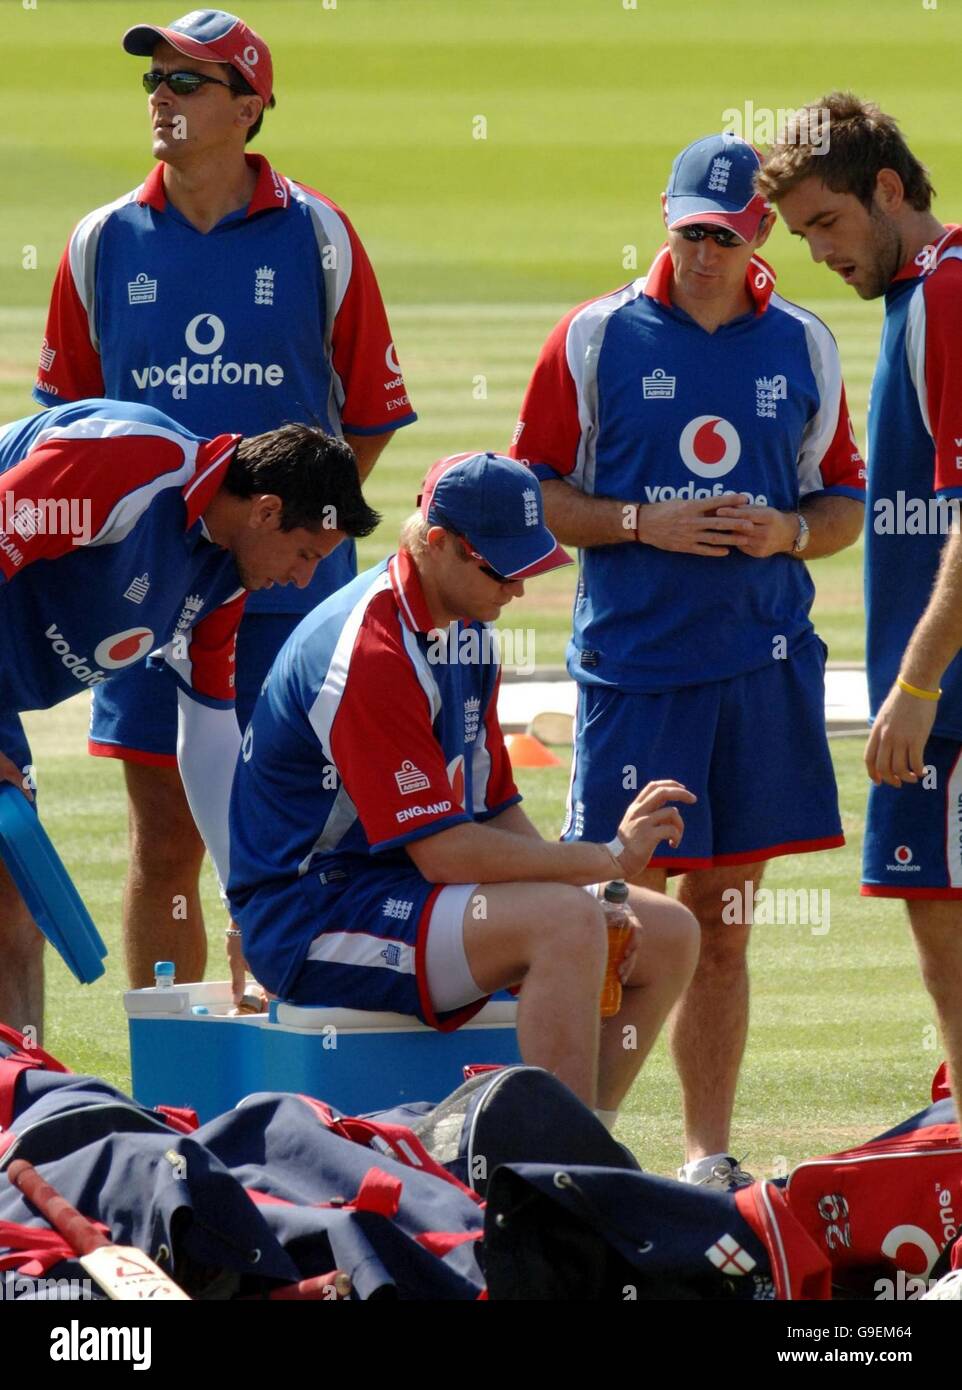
689 492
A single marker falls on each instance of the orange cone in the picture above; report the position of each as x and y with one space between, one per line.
525 750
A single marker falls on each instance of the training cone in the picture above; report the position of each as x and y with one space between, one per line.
525 750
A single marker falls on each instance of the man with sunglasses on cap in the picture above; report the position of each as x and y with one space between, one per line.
692 438
231 298
379 856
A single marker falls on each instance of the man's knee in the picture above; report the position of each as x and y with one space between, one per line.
672 938
570 929
163 834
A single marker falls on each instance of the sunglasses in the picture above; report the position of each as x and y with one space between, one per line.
182 84
484 567
721 236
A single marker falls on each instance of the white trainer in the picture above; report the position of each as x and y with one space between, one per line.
720 1171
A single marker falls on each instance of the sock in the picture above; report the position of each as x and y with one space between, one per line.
608 1118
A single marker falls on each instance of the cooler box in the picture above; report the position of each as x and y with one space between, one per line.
355 1061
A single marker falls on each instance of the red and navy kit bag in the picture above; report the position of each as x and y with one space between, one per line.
887 1213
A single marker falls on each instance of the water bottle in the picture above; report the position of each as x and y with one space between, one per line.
163 974
620 924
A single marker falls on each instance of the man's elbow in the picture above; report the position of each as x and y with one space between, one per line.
436 859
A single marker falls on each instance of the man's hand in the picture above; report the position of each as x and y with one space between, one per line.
9 772
694 527
649 820
770 532
895 752
238 965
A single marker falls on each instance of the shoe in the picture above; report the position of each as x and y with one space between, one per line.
720 1171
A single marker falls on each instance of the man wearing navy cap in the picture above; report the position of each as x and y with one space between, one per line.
232 299
379 857
692 438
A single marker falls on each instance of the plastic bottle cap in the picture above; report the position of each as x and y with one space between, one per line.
164 967
616 891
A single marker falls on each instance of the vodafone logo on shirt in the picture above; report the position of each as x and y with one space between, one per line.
124 647
710 446
204 336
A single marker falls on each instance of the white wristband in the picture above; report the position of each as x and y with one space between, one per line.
615 848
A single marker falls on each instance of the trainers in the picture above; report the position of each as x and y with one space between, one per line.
720 1171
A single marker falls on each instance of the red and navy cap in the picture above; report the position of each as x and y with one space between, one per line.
495 504
211 36
712 181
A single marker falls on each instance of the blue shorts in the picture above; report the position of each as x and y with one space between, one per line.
913 833
366 939
753 749
134 715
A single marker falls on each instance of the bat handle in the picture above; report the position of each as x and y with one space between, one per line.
71 1224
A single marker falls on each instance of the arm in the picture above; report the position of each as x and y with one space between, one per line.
70 367
834 523
208 742
368 448
490 853
689 526
514 819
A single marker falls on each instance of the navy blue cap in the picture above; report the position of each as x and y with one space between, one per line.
494 503
712 181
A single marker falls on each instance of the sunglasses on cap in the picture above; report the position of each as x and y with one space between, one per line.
721 236
183 84
484 567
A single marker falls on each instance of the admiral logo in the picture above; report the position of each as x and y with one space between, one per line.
138 588
47 354
658 386
204 336
410 779
141 290
437 808
391 955
709 446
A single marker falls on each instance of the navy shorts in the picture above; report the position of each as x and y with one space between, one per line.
753 749
913 833
366 935
134 715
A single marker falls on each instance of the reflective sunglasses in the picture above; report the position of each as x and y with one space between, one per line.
484 567
182 84
721 236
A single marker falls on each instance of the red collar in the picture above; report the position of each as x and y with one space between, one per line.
406 583
213 457
759 281
928 258
272 190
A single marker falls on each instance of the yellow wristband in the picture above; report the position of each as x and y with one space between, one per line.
914 690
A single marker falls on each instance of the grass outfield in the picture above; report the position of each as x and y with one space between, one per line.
841 1043
479 246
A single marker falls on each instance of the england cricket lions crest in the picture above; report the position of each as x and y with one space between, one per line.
264 285
769 390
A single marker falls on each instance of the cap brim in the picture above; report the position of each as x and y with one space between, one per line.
744 224
144 38
523 557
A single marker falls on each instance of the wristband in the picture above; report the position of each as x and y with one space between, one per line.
615 847
914 690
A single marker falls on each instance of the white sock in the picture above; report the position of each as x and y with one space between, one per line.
608 1118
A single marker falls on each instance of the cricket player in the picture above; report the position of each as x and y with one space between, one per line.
692 437
123 533
865 209
379 855
232 298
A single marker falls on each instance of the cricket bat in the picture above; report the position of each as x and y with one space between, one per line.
122 1271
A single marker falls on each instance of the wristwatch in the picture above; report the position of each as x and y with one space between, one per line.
803 537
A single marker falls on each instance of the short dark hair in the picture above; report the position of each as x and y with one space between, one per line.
862 141
242 87
310 471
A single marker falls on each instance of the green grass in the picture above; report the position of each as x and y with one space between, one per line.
840 1039
479 246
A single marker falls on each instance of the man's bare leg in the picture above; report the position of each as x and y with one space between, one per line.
551 938
663 969
710 1024
163 919
937 928
21 961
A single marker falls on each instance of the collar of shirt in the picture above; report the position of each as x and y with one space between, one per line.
406 584
759 281
928 258
271 193
213 457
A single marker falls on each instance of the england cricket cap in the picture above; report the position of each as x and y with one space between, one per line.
712 181
495 504
211 36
